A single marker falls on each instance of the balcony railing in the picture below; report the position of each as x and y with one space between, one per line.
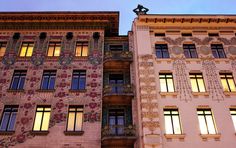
117 89
118 55
118 131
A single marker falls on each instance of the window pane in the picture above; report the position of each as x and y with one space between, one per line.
45 82
52 83
50 51
5 119
194 85
168 125
82 83
85 51
224 84
202 124
38 120
170 85
23 51
57 51
46 119
21 83
75 83
15 83
163 85
12 121
79 118
234 121
201 85
2 51
78 51
71 122
210 124
176 123
29 52
231 84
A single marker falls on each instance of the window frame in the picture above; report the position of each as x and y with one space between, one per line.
190 49
172 122
27 43
2 43
116 112
217 48
41 121
75 113
79 79
82 44
54 47
49 79
166 82
227 81
23 74
233 115
163 49
12 107
194 76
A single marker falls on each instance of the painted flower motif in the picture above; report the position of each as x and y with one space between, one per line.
61 94
94 75
27 105
93 84
59 117
3 80
20 138
93 94
33 79
59 105
24 120
92 105
30 92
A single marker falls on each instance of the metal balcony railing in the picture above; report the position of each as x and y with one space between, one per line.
117 89
118 55
118 130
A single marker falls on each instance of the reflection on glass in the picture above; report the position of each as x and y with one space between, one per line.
81 49
26 49
75 118
172 121
206 121
8 118
37 122
54 49
166 83
197 82
227 82
42 118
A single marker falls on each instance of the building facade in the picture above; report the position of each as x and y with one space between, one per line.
185 74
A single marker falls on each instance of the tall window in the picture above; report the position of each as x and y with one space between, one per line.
206 121
54 49
18 80
42 117
162 51
75 118
197 82
48 80
81 49
190 51
116 121
26 49
233 115
172 121
218 51
78 80
3 46
227 82
166 82
8 120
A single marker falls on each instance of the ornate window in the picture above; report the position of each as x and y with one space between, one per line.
42 117
166 82
172 121
190 51
218 50
78 80
48 80
197 82
233 115
81 49
162 51
26 49
3 46
227 82
8 120
206 121
75 118
18 80
54 49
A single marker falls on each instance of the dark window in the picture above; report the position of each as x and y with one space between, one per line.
116 120
166 82
186 34
48 80
218 51
3 46
116 81
190 51
81 49
213 34
116 47
75 118
42 118
162 51
8 120
54 49
227 82
78 80
172 121
160 34
18 80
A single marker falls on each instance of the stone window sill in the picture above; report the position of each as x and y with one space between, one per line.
23 58
168 93
210 136
46 90
159 60
200 93
73 133
227 93
40 133
221 59
174 136
15 90
7 132
77 90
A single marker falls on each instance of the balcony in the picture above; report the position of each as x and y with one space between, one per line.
119 136
117 59
117 94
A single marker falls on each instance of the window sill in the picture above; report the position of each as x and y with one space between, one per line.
174 136
46 90
210 136
221 60
15 90
73 133
227 93
159 60
200 93
77 90
7 132
193 59
23 58
168 93
40 133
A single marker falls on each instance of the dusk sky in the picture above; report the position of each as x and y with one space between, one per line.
124 6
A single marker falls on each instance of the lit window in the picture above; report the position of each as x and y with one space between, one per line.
18 80
172 121
78 80
116 47
197 82
162 51
81 49
233 115
206 121
75 118
48 81
26 49
190 51
54 49
3 46
8 120
166 82
218 51
227 82
42 118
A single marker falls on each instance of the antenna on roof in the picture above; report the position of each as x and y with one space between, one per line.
140 10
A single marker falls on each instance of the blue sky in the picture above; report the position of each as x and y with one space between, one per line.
124 6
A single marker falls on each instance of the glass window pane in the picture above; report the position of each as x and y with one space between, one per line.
224 84
5 118
38 120
82 83
57 51
23 51
29 52
45 82
79 121
234 121
168 125
176 123
85 51
201 85
46 119
202 124
231 84
210 125
194 85
2 51
21 83
75 83
12 121
163 85
52 83
170 85
15 83
50 51
71 122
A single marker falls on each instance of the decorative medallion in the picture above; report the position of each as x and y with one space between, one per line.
204 50
232 50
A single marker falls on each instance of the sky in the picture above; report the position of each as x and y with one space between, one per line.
125 7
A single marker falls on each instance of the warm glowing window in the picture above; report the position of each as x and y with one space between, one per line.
197 82
166 82
233 115
78 80
3 46
190 51
227 82
48 80
172 121
206 121
75 118
26 49
54 49
81 49
42 118
18 80
218 51
8 120
162 51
